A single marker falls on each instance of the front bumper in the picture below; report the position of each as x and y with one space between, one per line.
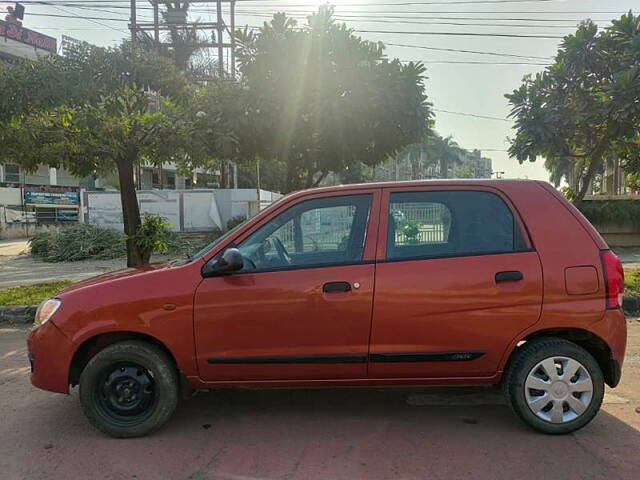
50 353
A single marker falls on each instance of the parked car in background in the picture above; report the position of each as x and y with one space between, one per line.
412 283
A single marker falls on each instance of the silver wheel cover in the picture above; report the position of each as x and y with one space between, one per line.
558 389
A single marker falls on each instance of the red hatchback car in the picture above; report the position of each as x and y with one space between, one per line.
412 283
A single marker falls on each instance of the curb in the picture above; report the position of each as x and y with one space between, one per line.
17 315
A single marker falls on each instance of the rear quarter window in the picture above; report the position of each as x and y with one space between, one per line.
450 223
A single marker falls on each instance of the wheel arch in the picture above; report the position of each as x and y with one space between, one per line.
586 339
93 345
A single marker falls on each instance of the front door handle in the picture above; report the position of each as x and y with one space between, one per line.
332 287
509 276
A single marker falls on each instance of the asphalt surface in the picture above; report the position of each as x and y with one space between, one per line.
18 268
315 434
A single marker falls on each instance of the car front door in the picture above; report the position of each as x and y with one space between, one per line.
301 306
457 279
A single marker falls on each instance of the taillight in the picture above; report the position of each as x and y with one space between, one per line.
613 278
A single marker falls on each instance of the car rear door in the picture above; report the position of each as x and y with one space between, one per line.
457 278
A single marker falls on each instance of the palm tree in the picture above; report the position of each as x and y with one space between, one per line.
446 152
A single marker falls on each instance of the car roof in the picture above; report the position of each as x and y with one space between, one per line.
496 183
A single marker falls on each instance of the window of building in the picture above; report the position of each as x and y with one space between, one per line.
11 173
450 223
171 180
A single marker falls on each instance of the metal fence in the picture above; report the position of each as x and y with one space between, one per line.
420 223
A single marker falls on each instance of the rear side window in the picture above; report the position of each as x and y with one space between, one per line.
450 223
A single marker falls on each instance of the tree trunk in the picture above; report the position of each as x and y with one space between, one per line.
130 211
586 180
444 168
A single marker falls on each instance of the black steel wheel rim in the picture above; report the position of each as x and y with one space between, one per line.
126 392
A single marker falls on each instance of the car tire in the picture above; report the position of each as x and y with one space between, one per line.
554 403
129 389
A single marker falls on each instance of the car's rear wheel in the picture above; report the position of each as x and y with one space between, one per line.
129 389
554 385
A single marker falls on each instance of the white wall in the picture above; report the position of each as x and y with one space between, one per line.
10 196
187 210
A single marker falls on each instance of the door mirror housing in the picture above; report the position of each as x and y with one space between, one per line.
230 261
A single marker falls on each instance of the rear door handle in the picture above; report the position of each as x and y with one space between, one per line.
331 287
509 276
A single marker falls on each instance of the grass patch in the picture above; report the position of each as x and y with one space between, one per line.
632 282
31 294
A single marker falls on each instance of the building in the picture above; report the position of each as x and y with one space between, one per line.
419 163
19 43
473 165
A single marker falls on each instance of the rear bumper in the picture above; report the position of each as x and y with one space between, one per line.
613 330
614 374
50 353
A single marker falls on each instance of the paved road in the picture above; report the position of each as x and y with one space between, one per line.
18 268
321 434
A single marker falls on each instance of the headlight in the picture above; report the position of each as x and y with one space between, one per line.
46 310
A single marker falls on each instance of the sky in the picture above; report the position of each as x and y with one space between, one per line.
470 84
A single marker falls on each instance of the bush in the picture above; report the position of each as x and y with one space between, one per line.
152 235
41 244
610 211
78 242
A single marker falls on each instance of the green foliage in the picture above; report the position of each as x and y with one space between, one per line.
632 283
83 75
107 117
32 294
464 171
583 108
41 244
411 230
78 242
601 212
322 99
235 221
152 235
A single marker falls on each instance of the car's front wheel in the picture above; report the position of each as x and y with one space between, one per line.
554 385
129 389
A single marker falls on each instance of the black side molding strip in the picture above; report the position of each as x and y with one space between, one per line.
292 359
464 356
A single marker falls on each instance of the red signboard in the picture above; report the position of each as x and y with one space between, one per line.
24 35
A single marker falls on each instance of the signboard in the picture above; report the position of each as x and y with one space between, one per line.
43 197
29 37
69 43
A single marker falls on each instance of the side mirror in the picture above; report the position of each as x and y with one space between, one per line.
230 261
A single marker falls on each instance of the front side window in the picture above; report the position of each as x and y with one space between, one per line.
450 223
324 231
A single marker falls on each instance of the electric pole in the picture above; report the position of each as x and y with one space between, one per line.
173 17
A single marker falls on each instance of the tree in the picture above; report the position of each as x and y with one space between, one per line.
583 108
323 100
108 126
446 152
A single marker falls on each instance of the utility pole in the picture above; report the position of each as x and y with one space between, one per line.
134 21
223 40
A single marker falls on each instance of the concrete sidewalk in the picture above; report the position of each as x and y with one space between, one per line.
9 248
